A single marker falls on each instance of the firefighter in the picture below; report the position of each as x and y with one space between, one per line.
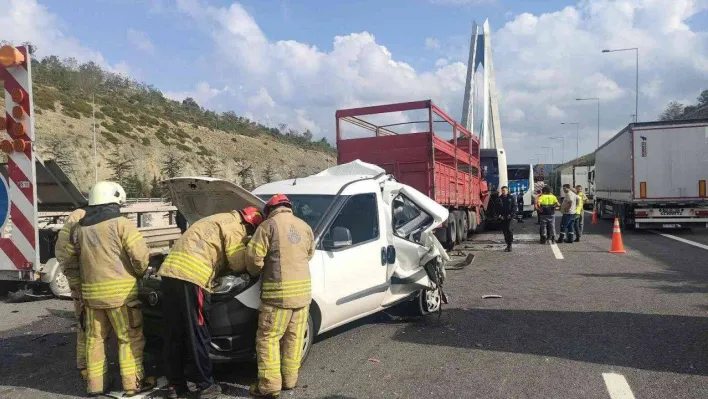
62 257
210 247
546 205
280 252
109 256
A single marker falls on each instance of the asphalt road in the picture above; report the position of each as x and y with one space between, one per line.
590 325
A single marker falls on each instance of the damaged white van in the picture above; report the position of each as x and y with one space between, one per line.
374 249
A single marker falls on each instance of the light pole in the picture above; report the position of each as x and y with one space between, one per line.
577 137
550 148
538 159
598 115
562 139
636 96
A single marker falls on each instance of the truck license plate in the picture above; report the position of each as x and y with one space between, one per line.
671 211
671 226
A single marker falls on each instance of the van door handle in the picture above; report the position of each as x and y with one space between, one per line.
383 256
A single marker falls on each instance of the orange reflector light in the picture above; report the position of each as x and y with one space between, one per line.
641 213
701 213
19 145
18 95
10 56
6 146
3 123
18 130
18 113
643 189
702 188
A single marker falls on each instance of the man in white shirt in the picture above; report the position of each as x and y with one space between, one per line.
568 207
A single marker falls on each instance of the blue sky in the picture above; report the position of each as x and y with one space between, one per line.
276 61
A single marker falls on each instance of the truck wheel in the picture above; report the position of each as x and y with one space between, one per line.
482 222
462 228
451 233
473 222
60 285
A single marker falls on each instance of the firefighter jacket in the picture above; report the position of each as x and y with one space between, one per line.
280 251
109 255
62 254
208 248
547 204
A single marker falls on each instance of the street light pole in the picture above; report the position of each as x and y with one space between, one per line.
550 148
636 95
562 139
577 137
598 115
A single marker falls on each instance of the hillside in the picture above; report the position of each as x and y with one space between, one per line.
144 137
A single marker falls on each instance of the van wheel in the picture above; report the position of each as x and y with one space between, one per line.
429 301
60 284
309 338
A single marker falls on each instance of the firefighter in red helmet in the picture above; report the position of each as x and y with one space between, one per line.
213 246
280 251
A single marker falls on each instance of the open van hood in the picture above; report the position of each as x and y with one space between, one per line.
199 197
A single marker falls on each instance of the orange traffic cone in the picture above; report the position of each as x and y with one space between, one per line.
617 246
594 216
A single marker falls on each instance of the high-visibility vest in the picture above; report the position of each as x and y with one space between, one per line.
579 209
547 203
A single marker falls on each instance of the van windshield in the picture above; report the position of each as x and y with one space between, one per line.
310 208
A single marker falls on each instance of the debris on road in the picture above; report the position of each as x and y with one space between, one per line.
372 360
491 296
461 265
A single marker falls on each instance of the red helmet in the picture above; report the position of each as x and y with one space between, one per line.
252 216
275 201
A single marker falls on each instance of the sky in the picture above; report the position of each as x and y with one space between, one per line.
296 62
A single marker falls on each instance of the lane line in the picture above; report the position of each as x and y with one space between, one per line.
617 386
683 240
556 251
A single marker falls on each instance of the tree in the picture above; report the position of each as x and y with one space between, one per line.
307 135
191 104
120 166
246 178
211 167
156 190
672 112
134 187
703 98
172 165
268 174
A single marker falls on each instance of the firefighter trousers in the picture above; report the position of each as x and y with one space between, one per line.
127 323
279 345
186 333
80 335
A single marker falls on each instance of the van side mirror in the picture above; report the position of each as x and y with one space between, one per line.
338 237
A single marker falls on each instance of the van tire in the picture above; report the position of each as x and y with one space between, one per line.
309 337
428 301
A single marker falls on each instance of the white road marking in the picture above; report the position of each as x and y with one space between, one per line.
617 386
556 251
683 240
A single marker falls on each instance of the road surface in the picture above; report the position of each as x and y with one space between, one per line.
589 325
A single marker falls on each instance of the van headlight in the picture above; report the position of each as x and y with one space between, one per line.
231 284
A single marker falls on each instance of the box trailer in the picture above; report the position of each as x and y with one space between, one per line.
653 175
409 143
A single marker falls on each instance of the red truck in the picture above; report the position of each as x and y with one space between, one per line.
423 147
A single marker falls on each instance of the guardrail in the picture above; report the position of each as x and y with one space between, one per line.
160 235
145 200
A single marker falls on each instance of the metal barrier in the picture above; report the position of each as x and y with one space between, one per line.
157 235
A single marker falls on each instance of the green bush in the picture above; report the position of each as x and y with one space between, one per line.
197 139
111 138
146 141
72 114
184 147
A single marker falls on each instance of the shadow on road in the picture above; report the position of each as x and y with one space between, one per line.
665 343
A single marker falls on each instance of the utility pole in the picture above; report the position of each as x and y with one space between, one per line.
636 92
577 137
562 139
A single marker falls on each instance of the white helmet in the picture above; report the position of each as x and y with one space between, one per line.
106 192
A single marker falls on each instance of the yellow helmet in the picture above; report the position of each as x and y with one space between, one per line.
106 192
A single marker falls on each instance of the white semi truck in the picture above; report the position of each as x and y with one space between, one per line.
653 175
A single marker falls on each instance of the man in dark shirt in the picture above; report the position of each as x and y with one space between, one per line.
506 209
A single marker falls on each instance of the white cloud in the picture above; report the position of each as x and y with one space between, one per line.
140 40
460 2
202 94
543 62
432 43
27 20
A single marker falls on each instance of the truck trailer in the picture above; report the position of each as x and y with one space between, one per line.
423 147
653 175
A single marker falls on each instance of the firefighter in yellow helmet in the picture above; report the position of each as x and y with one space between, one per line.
62 256
209 248
108 256
280 251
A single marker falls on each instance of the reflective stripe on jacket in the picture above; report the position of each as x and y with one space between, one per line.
207 249
111 256
61 253
547 204
280 251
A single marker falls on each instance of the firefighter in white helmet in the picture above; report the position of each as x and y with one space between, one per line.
109 256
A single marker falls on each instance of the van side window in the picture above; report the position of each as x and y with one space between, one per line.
409 220
360 216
